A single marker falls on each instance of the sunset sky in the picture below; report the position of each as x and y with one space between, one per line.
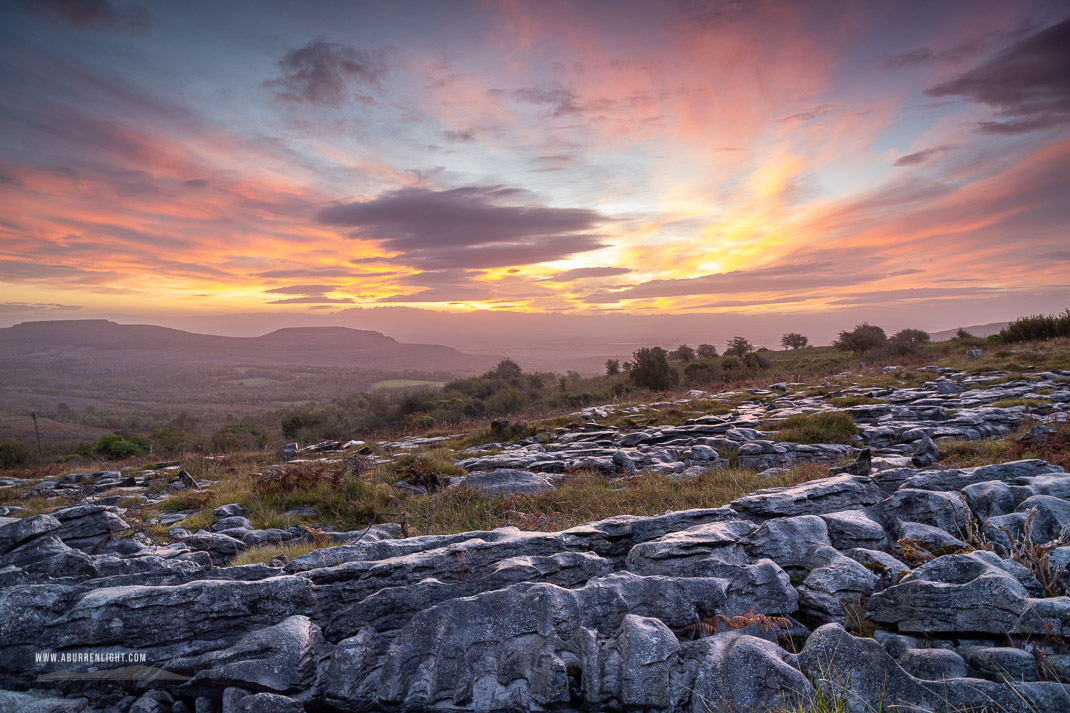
169 161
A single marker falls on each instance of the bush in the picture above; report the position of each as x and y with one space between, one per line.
169 441
1035 327
240 436
827 427
13 454
683 353
863 338
702 373
651 369
908 341
115 447
755 362
506 401
706 351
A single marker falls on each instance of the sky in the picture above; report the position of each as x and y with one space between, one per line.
221 165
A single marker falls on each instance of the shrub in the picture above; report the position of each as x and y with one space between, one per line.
612 366
169 441
755 362
13 454
1036 327
793 340
909 341
115 447
863 338
240 436
702 373
508 400
651 369
826 427
683 353
293 424
432 471
706 351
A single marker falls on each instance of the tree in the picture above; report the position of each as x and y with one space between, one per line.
612 366
707 351
507 370
683 353
651 369
793 340
738 346
908 341
963 334
861 339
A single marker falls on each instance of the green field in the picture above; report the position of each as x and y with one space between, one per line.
404 383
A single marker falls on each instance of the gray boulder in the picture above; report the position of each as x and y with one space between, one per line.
88 527
844 492
504 482
788 541
932 664
975 593
926 454
747 673
17 532
853 528
282 659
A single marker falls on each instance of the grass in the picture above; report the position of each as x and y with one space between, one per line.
969 454
1010 403
263 554
827 427
848 401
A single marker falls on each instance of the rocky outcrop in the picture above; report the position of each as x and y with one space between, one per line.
690 610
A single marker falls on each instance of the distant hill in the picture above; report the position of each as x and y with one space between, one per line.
977 330
96 341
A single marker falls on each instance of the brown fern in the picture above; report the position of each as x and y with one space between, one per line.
712 625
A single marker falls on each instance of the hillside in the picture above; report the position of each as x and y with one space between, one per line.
977 330
95 341
101 374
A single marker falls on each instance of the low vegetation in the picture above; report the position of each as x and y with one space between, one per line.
825 427
388 408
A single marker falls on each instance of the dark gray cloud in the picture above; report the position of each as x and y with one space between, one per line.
93 14
322 73
926 56
466 136
31 307
313 299
920 157
809 114
303 289
195 183
556 162
467 227
799 276
581 273
913 293
714 14
1028 83
453 285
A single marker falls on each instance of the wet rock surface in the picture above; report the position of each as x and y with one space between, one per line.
750 606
